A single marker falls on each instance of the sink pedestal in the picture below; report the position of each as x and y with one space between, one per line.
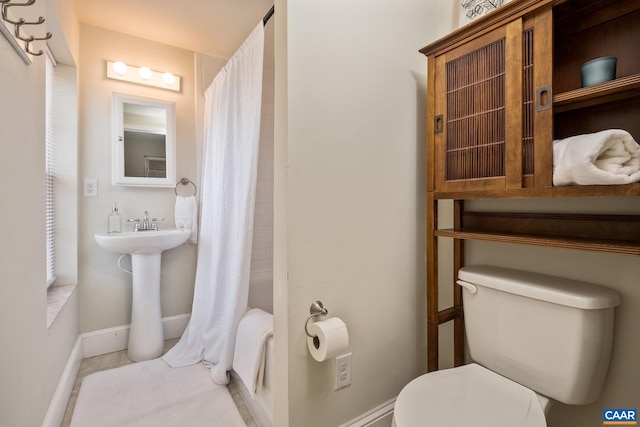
146 337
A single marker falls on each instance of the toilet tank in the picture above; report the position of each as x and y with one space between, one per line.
550 334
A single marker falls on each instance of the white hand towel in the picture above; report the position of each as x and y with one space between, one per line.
608 157
186 215
255 327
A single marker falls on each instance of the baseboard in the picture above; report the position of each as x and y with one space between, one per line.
380 416
94 344
60 398
115 339
258 405
174 326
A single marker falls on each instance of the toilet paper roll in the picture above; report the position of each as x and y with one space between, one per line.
331 338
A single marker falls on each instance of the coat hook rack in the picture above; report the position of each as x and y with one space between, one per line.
18 38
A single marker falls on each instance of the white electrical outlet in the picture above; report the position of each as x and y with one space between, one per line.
343 371
90 187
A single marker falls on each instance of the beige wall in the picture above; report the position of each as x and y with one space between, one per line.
62 21
104 289
33 357
352 113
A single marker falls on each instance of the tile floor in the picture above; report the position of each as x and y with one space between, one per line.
119 358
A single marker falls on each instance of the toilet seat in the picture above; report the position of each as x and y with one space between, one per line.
469 395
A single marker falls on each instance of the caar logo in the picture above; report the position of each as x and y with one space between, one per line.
619 417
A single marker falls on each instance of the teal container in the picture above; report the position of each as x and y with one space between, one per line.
598 71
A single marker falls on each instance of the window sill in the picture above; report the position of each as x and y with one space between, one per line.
57 296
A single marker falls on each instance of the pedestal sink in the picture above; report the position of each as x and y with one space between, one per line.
146 338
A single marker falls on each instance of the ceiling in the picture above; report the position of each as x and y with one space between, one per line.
214 27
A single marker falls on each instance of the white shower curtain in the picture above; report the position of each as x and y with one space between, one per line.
230 159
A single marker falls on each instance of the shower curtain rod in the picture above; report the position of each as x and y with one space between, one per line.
268 15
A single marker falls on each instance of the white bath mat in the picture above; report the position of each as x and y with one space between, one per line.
155 395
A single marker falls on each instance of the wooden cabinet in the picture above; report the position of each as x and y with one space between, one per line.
500 90
503 88
492 108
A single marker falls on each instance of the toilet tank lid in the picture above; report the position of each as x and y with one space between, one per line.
557 290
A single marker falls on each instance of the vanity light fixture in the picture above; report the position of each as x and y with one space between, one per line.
145 73
142 75
120 68
168 78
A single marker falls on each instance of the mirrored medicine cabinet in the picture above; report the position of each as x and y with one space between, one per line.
143 142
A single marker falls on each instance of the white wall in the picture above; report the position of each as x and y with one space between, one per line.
261 280
33 357
104 289
351 114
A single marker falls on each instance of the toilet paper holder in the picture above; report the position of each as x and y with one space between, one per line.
316 309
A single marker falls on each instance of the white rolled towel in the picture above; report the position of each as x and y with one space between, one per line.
608 157
186 216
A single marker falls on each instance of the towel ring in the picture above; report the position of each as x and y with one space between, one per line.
316 309
185 181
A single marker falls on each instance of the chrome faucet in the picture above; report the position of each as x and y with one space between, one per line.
145 221
145 224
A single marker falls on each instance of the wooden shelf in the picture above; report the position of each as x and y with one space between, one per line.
618 234
614 90
611 246
627 190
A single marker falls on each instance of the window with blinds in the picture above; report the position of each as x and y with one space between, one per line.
50 171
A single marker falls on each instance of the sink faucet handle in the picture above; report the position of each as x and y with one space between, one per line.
154 222
137 221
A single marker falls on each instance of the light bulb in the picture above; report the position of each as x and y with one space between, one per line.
168 78
120 68
145 73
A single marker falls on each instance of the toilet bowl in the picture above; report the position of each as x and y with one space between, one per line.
469 395
534 339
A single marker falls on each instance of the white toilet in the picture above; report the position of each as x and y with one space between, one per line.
534 339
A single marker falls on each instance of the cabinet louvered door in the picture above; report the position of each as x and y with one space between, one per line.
471 126
479 107
537 161
537 115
